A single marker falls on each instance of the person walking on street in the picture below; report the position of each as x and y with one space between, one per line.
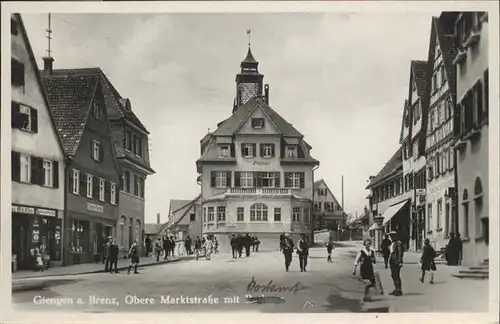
234 246
386 243
216 245
197 246
148 243
396 263
366 257
329 248
303 252
158 248
241 243
256 243
106 253
427 262
248 243
282 238
172 246
187 244
287 248
133 254
209 248
450 250
113 257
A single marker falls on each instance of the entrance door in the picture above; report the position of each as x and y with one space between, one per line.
53 237
20 241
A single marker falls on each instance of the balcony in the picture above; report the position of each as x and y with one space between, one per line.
473 38
259 191
461 56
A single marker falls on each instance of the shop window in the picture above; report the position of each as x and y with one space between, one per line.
79 236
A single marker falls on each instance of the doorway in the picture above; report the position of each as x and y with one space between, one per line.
20 241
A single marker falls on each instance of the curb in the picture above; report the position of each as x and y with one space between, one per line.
102 271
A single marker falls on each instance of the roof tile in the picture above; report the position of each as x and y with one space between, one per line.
394 163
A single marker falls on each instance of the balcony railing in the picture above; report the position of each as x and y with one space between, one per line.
259 191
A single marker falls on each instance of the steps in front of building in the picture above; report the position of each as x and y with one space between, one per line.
480 271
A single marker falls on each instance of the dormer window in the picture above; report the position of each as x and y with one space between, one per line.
257 123
291 151
224 151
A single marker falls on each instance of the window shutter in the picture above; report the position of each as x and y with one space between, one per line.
107 191
83 184
486 94
232 150
242 146
254 146
277 178
16 166
272 150
261 150
70 181
287 179
34 120
302 180
96 188
15 114
212 178
35 173
258 179
479 102
55 174
229 183
101 153
237 178
117 197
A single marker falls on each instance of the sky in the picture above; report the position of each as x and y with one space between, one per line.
341 79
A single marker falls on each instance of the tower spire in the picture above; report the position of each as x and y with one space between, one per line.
48 60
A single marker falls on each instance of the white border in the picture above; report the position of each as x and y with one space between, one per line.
9 315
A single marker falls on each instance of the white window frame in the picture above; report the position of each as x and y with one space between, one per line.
258 212
277 211
90 187
25 110
246 179
294 181
76 181
221 213
112 193
292 151
249 149
210 213
102 189
296 211
439 213
224 151
270 177
221 179
240 211
48 170
25 162
267 150
96 150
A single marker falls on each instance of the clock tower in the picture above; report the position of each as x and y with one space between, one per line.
248 81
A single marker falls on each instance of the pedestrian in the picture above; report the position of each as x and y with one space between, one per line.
113 256
172 246
187 244
257 243
427 262
384 246
209 247
366 257
147 243
197 246
106 253
234 245
216 245
158 248
254 243
329 248
287 248
282 238
396 263
241 243
133 254
303 252
450 250
247 243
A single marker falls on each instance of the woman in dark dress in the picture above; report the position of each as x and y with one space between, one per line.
427 261
366 258
329 248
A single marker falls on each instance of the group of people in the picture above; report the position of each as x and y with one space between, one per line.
238 242
110 256
302 249
454 250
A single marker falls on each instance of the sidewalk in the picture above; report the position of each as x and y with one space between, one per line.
87 268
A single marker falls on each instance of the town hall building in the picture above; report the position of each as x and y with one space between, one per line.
256 170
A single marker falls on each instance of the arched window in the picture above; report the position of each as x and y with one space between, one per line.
478 187
123 220
258 212
465 197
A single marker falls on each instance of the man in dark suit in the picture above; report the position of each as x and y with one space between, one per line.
396 262
234 246
287 248
113 257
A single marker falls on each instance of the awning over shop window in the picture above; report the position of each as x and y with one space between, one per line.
393 210
374 226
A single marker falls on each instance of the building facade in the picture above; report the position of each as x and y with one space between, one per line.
77 102
471 130
327 212
256 171
440 192
184 218
37 160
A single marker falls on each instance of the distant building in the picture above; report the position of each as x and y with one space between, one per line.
328 213
256 170
185 218
155 231
37 160
471 132
78 104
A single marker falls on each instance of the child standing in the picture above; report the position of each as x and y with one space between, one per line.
366 257
329 248
427 261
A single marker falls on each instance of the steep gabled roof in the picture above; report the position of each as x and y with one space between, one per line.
230 126
38 77
406 110
152 228
419 72
70 98
394 163
176 205
448 51
316 185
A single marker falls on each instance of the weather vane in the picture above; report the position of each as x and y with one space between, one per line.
249 31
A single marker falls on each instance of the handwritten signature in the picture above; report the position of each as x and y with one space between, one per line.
272 287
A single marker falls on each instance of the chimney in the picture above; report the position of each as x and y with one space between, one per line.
266 93
158 218
48 62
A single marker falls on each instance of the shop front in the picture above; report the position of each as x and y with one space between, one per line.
35 228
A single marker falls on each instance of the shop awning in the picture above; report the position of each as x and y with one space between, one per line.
393 210
374 226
